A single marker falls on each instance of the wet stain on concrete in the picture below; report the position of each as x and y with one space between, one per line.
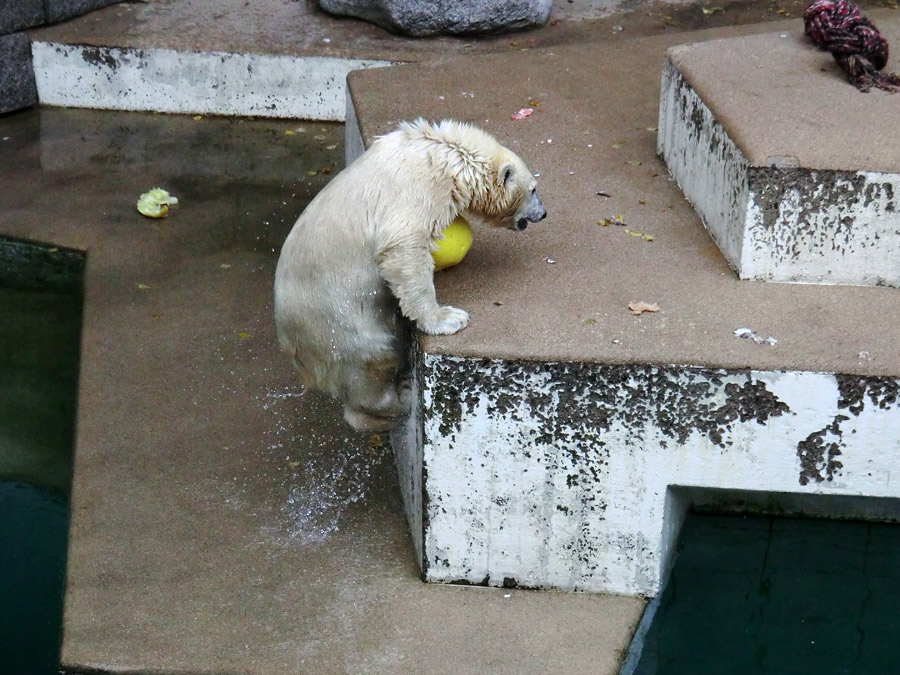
578 402
819 451
99 56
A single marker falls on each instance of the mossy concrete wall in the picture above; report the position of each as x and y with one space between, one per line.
578 476
788 192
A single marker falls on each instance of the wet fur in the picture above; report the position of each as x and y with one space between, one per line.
362 248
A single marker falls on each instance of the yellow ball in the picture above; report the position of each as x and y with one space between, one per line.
454 246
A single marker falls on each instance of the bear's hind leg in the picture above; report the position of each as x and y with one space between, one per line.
375 395
363 421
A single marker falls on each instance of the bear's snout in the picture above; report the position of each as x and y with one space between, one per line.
533 212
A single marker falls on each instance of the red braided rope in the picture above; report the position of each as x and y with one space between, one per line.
838 27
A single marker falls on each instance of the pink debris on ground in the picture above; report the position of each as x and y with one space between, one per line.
523 113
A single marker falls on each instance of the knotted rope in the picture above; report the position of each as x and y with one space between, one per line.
854 42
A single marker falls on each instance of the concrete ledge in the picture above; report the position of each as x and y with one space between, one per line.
164 80
573 476
793 172
559 440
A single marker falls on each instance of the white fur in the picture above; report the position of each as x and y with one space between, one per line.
363 246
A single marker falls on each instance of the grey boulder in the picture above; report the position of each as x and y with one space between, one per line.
17 87
420 18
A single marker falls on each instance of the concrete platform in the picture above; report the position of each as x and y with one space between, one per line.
555 434
222 520
602 137
793 171
279 58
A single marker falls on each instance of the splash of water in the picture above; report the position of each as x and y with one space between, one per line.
322 469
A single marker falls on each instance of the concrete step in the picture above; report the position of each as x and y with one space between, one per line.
279 58
558 435
793 171
267 59
222 522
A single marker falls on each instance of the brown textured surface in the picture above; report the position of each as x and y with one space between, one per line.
577 308
777 95
300 28
221 521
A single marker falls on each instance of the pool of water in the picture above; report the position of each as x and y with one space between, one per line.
33 531
776 595
40 325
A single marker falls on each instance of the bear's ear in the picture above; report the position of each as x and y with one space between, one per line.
506 173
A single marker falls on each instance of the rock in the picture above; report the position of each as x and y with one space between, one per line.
17 87
60 10
419 18
18 14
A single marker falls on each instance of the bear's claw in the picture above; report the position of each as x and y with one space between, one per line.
446 321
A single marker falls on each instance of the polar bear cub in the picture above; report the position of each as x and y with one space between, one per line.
362 248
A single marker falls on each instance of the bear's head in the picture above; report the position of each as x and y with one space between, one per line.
490 183
510 198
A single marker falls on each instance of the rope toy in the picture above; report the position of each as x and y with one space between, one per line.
854 42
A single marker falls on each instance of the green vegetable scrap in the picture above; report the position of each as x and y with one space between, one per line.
156 203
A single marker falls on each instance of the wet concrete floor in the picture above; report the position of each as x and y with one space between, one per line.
222 519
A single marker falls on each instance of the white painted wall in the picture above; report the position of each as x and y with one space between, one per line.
780 222
213 83
518 484
709 168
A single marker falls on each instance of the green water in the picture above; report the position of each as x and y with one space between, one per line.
40 325
778 595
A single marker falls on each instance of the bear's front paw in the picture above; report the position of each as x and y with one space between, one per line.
446 321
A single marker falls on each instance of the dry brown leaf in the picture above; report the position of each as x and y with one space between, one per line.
640 235
638 308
